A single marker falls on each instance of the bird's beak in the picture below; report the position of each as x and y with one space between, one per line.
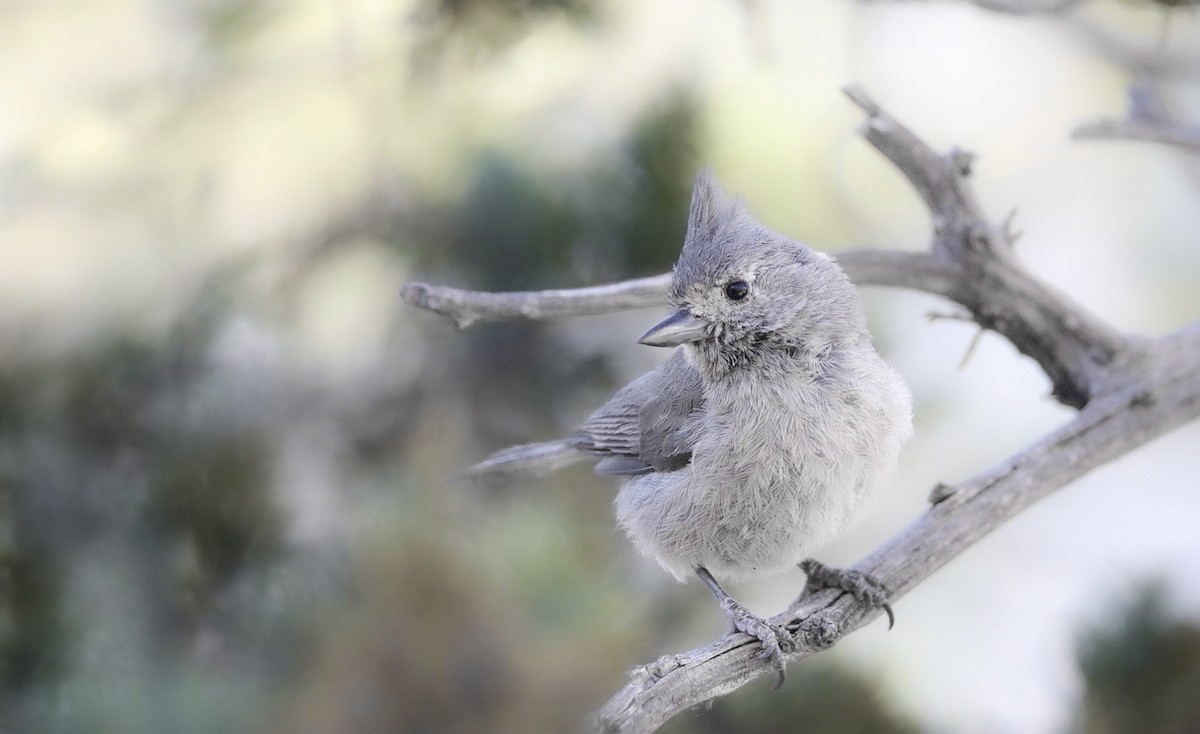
679 328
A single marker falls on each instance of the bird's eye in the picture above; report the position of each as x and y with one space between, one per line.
737 290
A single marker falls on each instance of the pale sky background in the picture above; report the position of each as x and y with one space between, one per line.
242 152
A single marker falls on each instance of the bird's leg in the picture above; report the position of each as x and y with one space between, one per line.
864 587
775 640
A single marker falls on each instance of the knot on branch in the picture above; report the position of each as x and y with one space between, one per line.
977 238
1143 399
439 300
940 493
960 161
817 632
1101 356
416 293
659 668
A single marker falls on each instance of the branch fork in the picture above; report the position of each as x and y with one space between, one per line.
1128 389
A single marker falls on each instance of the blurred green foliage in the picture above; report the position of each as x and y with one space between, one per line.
819 697
137 495
477 29
1141 671
515 229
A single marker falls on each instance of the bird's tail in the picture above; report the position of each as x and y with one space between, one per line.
531 459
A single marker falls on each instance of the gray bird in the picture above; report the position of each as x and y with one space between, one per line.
771 424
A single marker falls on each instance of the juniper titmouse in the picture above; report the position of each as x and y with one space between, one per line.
772 422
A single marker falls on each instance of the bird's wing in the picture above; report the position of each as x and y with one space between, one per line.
647 425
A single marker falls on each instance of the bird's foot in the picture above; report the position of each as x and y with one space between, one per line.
864 587
775 640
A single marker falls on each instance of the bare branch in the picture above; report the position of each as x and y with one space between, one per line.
966 358
1028 7
1009 7
1113 45
1167 133
939 180
466 307
1132 52
864 267
1072 346
1147 120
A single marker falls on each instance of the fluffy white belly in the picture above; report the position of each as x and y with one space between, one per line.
764 489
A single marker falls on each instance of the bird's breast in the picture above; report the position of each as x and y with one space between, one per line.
778 468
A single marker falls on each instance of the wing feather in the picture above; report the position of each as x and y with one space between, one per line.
647 425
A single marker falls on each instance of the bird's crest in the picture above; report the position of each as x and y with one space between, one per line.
711 208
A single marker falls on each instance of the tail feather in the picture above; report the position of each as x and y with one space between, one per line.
531 459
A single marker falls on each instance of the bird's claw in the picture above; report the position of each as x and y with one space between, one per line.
775 641
862 586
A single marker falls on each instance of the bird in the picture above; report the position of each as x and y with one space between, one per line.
771 424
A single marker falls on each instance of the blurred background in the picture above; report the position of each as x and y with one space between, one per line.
226 448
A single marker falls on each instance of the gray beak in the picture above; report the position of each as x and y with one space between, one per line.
679 328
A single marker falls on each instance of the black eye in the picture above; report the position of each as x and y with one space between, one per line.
737 290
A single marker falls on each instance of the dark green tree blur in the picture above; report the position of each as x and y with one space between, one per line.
1141 670
819 697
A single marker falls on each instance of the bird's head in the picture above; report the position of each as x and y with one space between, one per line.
741 291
